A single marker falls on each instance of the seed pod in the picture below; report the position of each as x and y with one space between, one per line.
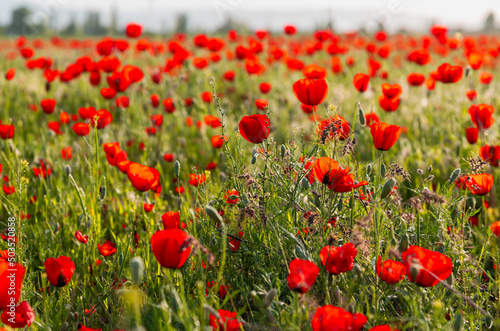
388 186
213 213
340 204
283 151
254 159
177 168
67 169
403 243
454 175
369 169
270 297
137 270
102 193
458 322
382 170
362 119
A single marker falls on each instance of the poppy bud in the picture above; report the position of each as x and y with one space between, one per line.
369 169
388 186
467 71
283 151
305 183
458 322
102 192
137 270
382 170
454 175
270 297
415 269
254 159
340 205
213 214
351 202
362 118
67 169
120 259
177 168
403 243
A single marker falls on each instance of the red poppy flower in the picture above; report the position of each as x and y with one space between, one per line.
360 82
328 172
472 135
168 157
23 316
104 118
329 317
265 87
81 129
390 271
195 180
133 30
218 141
391 91
108 92
261 104
228 198
479 184
172 220
226 322
471 94
168 248
338 259
255 128
107 249
10 74
334 127
9 273
48 105
314 71
81 238
371 118
481 115
388 104
428 262
122 101
449 74
168 103
485 78
67 153
495 228
310 92
59 271
6 131
290 30
420 57
143 178
155 100
475 60
384 327
302 275
490 154
200 63
229 75
213 121
43 171
384 135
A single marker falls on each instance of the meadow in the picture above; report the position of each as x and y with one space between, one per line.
289 181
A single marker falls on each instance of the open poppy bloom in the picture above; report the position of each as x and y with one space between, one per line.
231 193
21 317
327 171
490 154
384 135
167 246
471 134
481 115
479 184
6 131
81 238
133 30
338 259
314 71
429 262
334 127
48 105
391 91
416 79
107 249
310 91
59 271
495 228
360 82
7 274
329 317
388 104
172 220
449 74
195 180
302 275
218 141
390 271
81 129
143 178
226 322
255 128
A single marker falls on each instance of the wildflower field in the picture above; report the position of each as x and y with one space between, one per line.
267 181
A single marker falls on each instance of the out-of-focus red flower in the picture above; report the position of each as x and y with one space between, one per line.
338 259
228 194
481 115
195 180
48 105
226 322
133 30
472 135
168 248
59 270
334 318
6 131
107 249
302 275
23 316
81 238
446 73
479 184
361 81
427 262
490 154
390 271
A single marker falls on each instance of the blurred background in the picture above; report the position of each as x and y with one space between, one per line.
162 17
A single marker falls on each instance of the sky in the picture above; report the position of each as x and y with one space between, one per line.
209 14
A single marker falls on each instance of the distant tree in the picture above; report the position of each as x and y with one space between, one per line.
489 22
92 25
70 29
113 21
19 23
231 24
181 23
